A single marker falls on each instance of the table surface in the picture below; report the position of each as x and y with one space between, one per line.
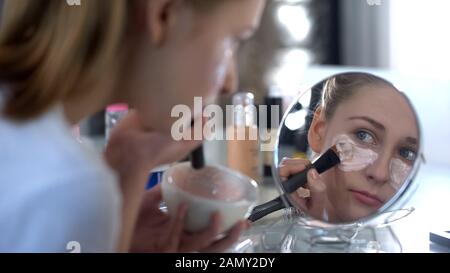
432 211
431 202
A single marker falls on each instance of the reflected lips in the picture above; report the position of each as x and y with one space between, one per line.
367 198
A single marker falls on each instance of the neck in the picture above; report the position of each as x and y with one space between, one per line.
107 90
78 108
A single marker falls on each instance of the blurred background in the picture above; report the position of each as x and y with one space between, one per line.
406 37
301 42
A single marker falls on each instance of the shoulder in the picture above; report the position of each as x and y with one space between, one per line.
79 208
43 151
53 190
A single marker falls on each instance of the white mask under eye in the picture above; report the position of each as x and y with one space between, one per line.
399 172
353 157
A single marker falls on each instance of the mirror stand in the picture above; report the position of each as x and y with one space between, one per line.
294 233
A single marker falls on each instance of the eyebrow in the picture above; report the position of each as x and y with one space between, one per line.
378 125
411 140
374 123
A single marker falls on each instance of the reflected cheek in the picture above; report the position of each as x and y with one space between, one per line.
347 208
387 192
399 172
353 157
345 180
338 183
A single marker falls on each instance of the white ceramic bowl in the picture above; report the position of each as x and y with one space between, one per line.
206 191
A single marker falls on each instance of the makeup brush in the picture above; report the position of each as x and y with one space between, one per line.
197 158
326 161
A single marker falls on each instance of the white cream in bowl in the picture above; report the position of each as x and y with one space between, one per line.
206 191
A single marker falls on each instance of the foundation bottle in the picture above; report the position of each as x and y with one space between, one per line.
273 99
242 137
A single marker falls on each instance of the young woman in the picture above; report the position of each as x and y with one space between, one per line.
61 63
376 119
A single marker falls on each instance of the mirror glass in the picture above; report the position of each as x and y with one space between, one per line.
359 140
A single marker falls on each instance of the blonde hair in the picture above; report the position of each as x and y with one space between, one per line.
342 87
51 51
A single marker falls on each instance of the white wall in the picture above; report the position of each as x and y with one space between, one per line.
365 33
420 37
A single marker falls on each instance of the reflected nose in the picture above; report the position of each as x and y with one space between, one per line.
231 81
379 171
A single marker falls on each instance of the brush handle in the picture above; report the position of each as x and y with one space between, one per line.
325 162
267 208
297 181
197 158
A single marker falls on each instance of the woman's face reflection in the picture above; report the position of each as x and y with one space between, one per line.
376 117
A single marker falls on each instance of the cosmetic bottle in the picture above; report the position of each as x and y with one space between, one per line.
114 113
242 137
274 103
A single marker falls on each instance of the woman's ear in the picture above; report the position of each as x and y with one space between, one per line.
160 16
316 133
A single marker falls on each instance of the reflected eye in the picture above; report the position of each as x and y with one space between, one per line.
408 154
365 137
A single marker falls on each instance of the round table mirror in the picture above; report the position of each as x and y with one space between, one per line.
347 152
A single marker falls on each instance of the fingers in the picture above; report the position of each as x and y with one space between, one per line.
152 200
299 201
293 161
247 224
176 229
130 121
186 146
312 199
318 199
170 150
155 195
231 238
289 166
201 240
